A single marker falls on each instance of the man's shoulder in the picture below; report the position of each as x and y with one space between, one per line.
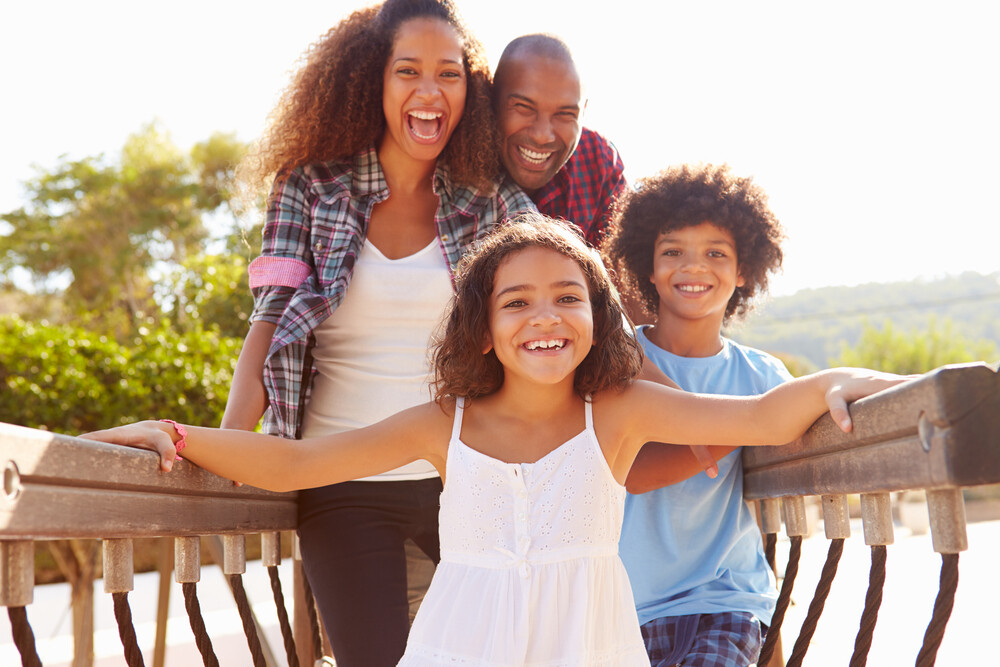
596 150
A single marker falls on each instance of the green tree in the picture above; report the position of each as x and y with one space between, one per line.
917 352
109 232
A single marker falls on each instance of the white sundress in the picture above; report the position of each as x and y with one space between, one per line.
529 571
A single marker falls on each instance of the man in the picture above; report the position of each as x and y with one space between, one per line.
569 171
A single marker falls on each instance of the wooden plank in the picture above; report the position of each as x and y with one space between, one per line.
942 430
61 486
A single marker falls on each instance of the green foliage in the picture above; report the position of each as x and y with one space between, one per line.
67 379
111 230
817 323
917 352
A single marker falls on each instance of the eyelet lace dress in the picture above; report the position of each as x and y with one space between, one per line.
529 571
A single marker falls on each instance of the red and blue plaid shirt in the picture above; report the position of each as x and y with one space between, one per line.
585 189
313 234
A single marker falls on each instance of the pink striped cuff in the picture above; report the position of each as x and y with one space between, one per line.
277 271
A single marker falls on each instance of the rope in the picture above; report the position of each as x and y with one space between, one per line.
770 546
818 602
791 570
310 604
24 638
201 637
942 611
873 600
243 605
286 628
123 614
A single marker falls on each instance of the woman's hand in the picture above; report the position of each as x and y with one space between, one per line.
849 384
152 435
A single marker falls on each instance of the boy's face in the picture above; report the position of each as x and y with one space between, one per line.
541 319
695 272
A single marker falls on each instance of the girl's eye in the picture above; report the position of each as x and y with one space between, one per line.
516 303
406 71
569 298
716 253
451 75
671 253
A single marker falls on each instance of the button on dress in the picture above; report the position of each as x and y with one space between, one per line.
529 572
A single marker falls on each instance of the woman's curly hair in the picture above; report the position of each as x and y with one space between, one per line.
685 196
462 369
332 109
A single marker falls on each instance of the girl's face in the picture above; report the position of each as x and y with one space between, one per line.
541 318
423 94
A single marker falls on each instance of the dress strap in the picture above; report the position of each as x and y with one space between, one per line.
588 412
456 428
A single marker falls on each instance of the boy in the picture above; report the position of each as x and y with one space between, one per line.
695 244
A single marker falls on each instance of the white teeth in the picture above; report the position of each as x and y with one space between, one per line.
693 288
533 156
425 115
555 344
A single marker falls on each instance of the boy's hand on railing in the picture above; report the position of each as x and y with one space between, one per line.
152 435
850 384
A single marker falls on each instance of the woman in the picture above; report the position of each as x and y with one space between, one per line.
383 151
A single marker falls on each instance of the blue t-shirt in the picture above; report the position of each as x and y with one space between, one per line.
694 547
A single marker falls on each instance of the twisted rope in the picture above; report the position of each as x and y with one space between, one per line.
201 638
24 638
942 610
310 604
123 614
286 627
774 632
249 629
818 602
770 546
873 600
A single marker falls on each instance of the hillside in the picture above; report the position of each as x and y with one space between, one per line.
816 323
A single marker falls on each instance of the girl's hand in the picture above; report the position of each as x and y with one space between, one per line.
850 384
152 435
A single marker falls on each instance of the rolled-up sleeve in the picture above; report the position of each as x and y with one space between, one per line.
285 260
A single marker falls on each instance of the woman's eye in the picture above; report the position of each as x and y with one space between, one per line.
569 298
451 75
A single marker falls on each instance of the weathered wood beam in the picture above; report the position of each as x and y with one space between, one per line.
940 431
57 486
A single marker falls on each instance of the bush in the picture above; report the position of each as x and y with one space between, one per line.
66 379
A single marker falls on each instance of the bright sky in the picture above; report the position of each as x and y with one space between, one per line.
873 126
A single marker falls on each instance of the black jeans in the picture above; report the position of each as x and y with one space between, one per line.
352 536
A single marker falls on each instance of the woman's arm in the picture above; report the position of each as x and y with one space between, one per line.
247 397
279 464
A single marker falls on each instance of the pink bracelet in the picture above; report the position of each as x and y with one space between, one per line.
181 431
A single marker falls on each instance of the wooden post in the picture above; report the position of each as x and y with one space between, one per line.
165 568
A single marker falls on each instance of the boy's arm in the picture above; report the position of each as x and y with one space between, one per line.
659 467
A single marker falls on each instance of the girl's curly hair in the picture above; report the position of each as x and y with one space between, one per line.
685 196
332 109
461 368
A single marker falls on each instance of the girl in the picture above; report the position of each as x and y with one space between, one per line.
384 160
536 422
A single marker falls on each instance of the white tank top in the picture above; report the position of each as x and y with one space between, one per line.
372 354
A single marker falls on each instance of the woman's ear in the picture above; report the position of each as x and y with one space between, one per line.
487 343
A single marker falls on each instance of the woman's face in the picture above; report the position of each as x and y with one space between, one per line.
423 95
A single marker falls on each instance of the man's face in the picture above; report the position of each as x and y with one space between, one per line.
538 111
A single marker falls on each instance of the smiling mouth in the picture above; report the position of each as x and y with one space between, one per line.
425 125
553 344
694 289
534 158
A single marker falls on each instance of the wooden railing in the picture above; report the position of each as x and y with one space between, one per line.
939 434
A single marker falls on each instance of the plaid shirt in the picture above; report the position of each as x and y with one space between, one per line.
313 234
586 188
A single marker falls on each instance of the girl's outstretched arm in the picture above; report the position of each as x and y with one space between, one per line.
647 412
279 464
